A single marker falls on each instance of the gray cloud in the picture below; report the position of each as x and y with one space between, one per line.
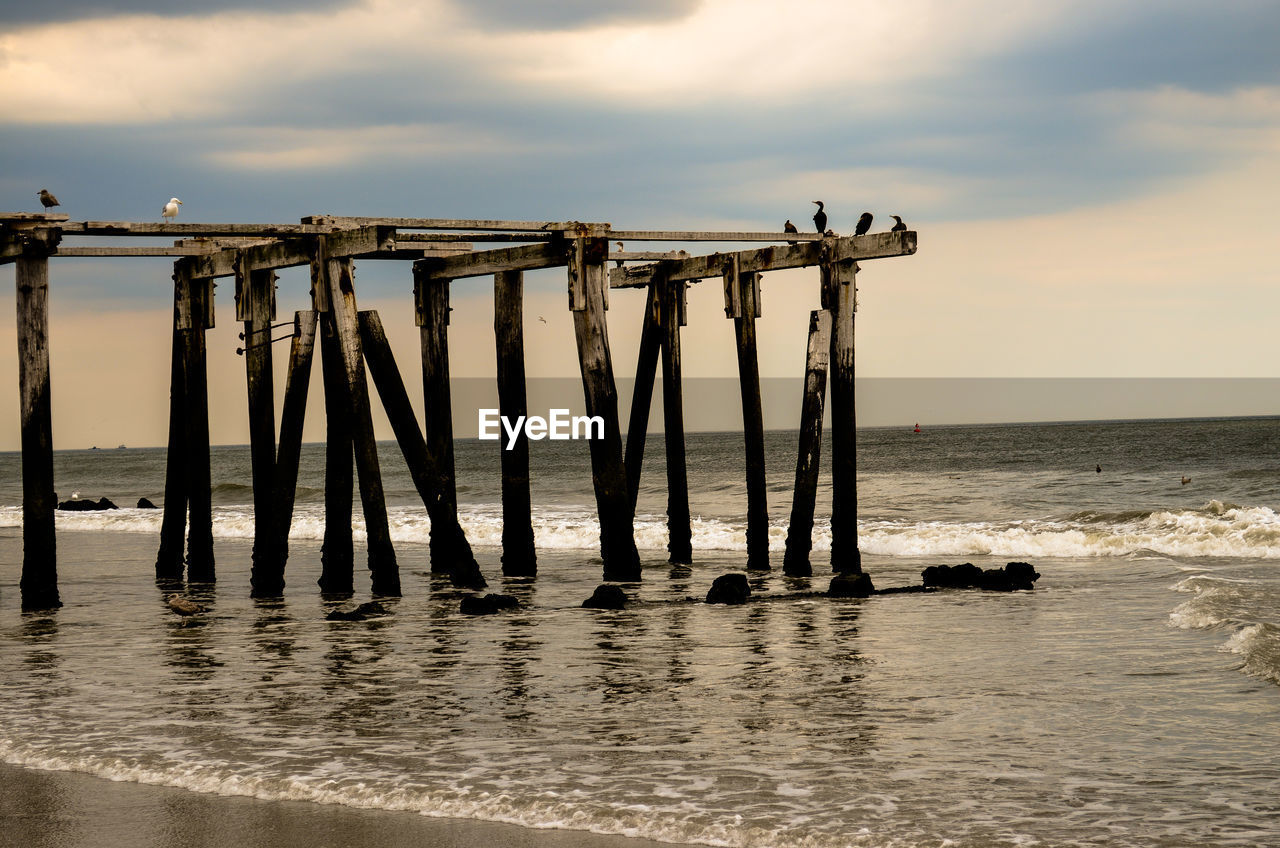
572 14
45 11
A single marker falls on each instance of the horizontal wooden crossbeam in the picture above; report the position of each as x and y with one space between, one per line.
846 249
482 262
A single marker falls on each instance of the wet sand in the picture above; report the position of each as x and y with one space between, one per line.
52 809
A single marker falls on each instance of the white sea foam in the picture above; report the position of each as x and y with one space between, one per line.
1215 530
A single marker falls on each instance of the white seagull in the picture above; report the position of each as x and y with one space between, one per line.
170 209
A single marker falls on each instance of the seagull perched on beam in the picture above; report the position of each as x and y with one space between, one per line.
898 227
864 224
170 209
47 200
820 218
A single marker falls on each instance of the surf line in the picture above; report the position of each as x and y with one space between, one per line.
559 426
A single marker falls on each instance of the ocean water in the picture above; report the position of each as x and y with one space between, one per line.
1131 699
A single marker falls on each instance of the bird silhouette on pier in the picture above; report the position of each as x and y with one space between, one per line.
898 227
820 217
789 228
47 200
864 224
170 210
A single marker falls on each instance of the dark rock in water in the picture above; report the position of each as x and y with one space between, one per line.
1015 575
466 575
729 589
905 590
360 613
86 505
606 597
487 605
143 503
851 586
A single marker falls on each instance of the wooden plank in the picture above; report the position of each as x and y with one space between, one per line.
482 263
646 255
255 296
457 224
848 248
190 230
173 526
383 569
642 392
680 535
289 452
337 552
752 428
800 531
839 280
519 558
200 560
288 253
617 540
446 532
708 235
39 582
113 251
456 238
17 218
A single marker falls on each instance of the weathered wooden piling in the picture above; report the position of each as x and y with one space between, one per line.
587 291
255 306
39 583
289 452
642 391
383 570
447 537
680 535
173 526
519 559
840 293
742 304
195 319
337 552
431 296
800 531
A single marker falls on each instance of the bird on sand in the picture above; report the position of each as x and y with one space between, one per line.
789 228
820 218
864 224
170 209
898 227
47 200
183 606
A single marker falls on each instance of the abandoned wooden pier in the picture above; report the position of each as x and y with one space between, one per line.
441 251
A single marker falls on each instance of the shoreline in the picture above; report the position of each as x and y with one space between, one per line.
75 810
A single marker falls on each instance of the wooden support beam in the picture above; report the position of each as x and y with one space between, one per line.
255 306
708 235
485 262
151 229
383 570
800 532
743 292
519 559
617 540
173 526
642 393
839 281
845 249
291 252
39 583
680 535
447 539
200 315
576 227
290 449
456 239
337 553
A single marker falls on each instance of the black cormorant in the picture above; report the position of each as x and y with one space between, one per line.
789 228
820 218
47 200
898 227
864 224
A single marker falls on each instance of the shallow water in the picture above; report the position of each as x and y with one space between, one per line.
1131 699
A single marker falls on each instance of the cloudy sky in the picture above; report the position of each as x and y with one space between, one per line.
1096 185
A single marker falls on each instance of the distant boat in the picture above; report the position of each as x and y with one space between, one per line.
119 447
917 427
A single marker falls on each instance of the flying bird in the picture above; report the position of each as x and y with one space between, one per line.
898 227
789 228
47 200
543 320
820 218
170 209
864 224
